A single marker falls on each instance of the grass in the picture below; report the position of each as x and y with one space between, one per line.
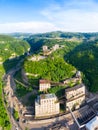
15 114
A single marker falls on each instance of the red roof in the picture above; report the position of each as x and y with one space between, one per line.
43 81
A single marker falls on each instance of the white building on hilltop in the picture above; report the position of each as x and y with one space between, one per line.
46 105
44 85
55 47
45 48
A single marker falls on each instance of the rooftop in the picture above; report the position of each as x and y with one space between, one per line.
43 81
74 88
47 96
93 124
85 115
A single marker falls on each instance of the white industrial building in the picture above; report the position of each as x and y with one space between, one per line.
46 105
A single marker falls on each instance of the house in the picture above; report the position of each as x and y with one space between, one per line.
44 85
46 105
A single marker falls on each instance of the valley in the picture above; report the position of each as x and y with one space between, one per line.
22 66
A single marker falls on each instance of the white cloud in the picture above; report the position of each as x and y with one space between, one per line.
33 27
75 15
71 15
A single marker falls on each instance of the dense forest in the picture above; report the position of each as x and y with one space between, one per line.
51 68
85 58
10 47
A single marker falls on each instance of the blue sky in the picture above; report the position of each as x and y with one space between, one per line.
38 16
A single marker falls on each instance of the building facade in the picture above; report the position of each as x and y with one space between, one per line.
45 48
44 85
46 105
55 47
75 96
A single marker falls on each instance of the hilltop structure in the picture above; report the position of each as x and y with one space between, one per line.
75 96
47 51
74 80
45 48
46 105
55 47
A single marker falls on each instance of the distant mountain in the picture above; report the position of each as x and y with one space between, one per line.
11 51
66 35
20 35
11 47
85 58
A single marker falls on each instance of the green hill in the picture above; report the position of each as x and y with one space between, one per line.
10 51
10 47
51 68
85 58
65 35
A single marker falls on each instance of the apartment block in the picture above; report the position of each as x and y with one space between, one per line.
46 105
75 96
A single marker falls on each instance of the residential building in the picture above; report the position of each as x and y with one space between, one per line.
46 105
75 96
44 85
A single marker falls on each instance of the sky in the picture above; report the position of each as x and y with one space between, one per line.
39 16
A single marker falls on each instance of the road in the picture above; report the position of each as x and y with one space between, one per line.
10 84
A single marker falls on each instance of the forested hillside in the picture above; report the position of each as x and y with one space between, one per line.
51 68
85 58
10 48
65 35
10 51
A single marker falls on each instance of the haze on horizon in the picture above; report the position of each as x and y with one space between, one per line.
48 15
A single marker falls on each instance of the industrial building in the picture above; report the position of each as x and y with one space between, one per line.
46 105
